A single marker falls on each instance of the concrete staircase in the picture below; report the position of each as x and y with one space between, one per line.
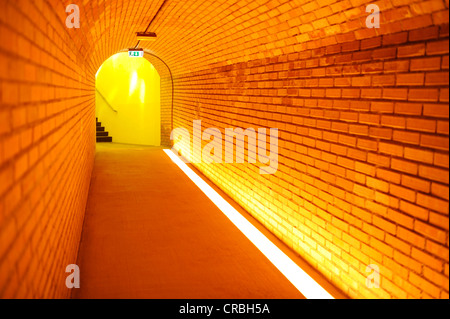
102 135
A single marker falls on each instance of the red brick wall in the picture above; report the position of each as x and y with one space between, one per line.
362 116
166 98
47 143
363 122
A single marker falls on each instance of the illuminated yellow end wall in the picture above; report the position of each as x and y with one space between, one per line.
131 86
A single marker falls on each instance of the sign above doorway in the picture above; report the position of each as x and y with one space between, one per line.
136 53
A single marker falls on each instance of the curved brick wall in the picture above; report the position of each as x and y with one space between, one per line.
362 116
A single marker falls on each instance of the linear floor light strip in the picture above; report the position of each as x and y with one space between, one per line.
297 276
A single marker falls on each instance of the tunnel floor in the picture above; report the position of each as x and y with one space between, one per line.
149 232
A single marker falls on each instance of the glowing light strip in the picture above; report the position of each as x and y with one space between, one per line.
297 276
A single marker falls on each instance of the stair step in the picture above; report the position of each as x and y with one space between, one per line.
101 134
104 139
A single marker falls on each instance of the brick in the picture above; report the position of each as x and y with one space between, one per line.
6 179
358 234
433 173
10 93
391 149
427 7
424 34
436 277
433 141
437 47
372 68
426 64
413 210
410 79
396 38
361 81
384 53
445 63
372 253
441 160
443 127
440 17
443 95
411 50
400 219
396 66
359 129
389 176
400 271
402 192
382 133
377 184
421 125
350 46
363 191
366 118
411 237
424 284
406 137
5 122
430 231
371 93
383 80
417 22
393 121
386 250
440 190
433 203
384 224
404 166
416 183
439 220
437 250
436 110
397 94
370 43
376 208
436 78
425 95
426 259
408 108
407 261
387 200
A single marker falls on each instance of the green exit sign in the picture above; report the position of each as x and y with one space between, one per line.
136 53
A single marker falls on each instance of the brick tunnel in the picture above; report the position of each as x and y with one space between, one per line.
362 113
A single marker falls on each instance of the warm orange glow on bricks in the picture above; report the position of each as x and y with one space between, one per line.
362 115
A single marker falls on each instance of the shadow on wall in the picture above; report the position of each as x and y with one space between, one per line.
128 100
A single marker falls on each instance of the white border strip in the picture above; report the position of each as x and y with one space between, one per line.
297 276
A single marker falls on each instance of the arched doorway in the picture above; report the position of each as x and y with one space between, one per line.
128 100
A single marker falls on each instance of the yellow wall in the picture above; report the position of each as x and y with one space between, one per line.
132 87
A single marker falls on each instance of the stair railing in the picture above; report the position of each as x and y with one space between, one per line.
104 99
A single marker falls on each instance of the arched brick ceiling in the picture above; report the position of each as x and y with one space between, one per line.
193 35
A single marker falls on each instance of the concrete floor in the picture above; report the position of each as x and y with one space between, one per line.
149 232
